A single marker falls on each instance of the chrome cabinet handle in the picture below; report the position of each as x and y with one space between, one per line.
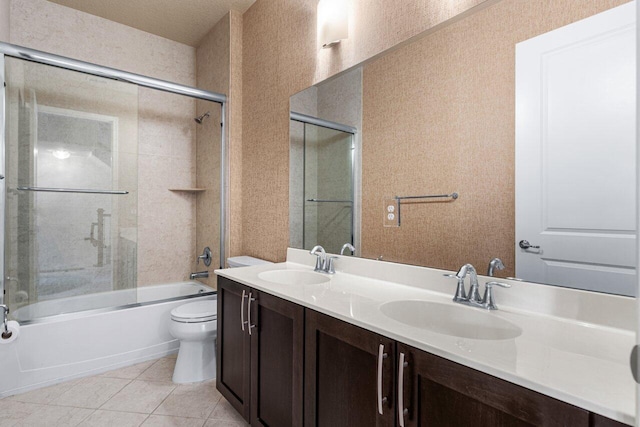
249 325
242 322
524 244
381 356
402 411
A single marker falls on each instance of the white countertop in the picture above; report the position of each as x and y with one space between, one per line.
563 352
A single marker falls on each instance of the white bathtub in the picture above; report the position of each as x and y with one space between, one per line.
62 347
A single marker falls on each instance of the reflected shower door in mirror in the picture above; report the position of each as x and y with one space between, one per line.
451 111
323 192
327 193
71 179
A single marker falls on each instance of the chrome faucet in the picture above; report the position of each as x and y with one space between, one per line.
324 264
473 299
347 246
494 264
474 294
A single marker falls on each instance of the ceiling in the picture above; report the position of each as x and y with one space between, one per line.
185 21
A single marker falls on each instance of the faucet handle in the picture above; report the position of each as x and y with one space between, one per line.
460 295
206 257
488 301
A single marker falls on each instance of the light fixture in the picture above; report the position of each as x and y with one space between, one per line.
61 154
333 21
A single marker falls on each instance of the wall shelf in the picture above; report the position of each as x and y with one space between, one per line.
188 190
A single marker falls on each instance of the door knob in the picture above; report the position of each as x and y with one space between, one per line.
524 244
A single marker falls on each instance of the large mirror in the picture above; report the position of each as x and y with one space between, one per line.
507 134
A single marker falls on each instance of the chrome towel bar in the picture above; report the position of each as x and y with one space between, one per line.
329 201
399 199
72 190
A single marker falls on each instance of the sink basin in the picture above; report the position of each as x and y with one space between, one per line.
449 319
293 277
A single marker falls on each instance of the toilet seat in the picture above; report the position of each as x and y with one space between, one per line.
196 312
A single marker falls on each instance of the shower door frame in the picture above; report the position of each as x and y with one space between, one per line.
19 52
355 167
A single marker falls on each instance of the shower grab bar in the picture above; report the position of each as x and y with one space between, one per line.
399 199
72 190
329 201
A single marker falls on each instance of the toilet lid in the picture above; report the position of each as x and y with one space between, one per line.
200 311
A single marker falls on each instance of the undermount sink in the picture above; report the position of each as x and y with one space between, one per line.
293 277
449 319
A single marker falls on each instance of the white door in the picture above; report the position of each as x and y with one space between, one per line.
575 154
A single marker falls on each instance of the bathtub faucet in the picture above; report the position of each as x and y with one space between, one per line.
199 275
5 328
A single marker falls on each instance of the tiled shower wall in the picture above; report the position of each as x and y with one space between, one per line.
166 220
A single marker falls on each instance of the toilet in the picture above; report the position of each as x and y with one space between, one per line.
195 325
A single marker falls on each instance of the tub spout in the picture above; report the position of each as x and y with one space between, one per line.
199 275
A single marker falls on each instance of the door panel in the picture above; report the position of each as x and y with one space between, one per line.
233 346
277 359
575 154
442 393
341 368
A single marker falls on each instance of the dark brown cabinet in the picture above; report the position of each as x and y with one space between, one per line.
260 355
438 392
348 375
233 358
274 355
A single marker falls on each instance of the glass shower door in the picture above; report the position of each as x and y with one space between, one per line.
71 179
328 188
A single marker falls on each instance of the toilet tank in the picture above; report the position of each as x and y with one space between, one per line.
245 261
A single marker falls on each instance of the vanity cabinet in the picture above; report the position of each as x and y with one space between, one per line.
260 355
351 377
348 375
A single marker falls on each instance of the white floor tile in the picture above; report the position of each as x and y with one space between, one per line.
44 395
140 396
102 418
165 421
129 372
192 400
91 392
224 423
224 411
161 370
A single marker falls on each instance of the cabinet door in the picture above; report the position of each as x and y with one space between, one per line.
233 345
438 392
348 381
277 360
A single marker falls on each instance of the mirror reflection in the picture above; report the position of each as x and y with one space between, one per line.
526 112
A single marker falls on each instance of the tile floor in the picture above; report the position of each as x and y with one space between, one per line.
139 395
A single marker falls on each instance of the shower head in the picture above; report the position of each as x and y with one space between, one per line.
200 118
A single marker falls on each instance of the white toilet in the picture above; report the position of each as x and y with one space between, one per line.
195 325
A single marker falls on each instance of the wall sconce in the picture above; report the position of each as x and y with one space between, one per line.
333 21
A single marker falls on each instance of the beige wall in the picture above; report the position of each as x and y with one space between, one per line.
234 193
450 97
475 51
281 57
166 234
4 20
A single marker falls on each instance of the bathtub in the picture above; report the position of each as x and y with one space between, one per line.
117 329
